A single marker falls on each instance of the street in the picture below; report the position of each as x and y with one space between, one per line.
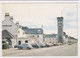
62 50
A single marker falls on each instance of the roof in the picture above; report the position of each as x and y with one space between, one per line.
6 34
10 21
34 31
50 35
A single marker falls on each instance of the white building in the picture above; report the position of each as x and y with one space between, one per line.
8 38
14 35
11 32
35 35
50 38
8 26
22 37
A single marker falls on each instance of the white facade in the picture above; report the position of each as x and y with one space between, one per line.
20 37
50 38
40 38
35 38
22 41
14 29
9 25
13 42
21 33
37 33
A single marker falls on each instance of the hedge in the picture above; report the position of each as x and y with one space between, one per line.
5 46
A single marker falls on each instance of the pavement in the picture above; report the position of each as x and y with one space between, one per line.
62 50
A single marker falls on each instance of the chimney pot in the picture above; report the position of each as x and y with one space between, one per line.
7 14
17 23
11 18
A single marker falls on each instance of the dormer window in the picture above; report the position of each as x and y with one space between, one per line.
38 31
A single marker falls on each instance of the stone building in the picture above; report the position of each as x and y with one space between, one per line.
60 29
50 38
22 36
8 38
9 30
12 32
35 35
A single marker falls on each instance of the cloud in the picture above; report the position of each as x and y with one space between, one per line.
74 24
36 15
70 15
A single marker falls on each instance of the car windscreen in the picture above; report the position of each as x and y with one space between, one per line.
33 44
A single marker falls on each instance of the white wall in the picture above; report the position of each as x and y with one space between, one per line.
21 33
48 40
12 29
22 40
40 39
13 42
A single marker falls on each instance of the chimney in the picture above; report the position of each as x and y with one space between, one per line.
7 17
17 23
11 18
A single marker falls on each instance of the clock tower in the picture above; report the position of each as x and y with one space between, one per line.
60 29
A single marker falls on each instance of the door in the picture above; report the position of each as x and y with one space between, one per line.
19 42
26 41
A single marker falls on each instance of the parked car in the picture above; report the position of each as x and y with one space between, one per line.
16 46
47 45
55 44
69 42
25 46
50 44
59 44
35 45
42 45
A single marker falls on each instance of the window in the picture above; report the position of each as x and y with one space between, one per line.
26 41
19 42
18 31
39 31
50 42
37 36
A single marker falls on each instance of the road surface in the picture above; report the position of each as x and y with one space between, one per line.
62 50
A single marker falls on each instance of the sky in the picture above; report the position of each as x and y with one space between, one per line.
34 15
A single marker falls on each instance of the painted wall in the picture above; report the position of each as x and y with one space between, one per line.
10 26
21 33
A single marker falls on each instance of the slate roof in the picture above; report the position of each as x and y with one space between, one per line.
6 34
50 35
34 31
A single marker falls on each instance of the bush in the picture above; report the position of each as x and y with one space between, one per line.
5 46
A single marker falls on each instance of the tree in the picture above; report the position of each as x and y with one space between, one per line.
64 33
66 36
24 27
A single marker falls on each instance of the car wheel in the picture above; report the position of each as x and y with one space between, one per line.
19 48
29 48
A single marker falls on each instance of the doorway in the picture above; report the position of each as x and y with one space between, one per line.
19 42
